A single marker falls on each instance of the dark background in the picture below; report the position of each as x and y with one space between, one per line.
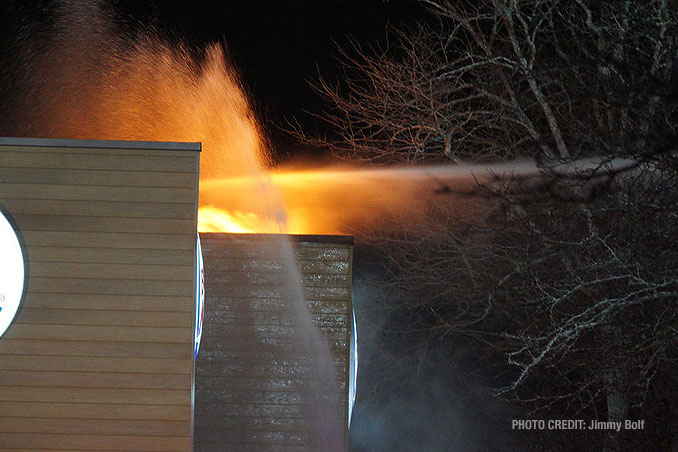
278 46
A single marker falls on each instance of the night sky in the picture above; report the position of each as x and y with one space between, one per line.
278 46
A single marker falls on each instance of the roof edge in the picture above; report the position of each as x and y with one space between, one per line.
313 238
103 144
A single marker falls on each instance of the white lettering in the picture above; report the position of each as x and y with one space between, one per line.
528 424
634 425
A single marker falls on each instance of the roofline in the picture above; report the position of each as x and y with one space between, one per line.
104 144
313 238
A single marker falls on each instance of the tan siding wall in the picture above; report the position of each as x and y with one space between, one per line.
250 372
99 355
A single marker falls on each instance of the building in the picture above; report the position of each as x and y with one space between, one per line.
254 380
98 339
99 355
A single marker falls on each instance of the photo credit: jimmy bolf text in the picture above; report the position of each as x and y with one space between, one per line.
576 424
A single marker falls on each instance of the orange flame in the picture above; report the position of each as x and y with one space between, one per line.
214 219
88 82
325 201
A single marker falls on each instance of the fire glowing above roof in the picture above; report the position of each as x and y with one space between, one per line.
334 200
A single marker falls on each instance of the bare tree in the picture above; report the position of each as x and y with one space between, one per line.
578 295
569 311
505 78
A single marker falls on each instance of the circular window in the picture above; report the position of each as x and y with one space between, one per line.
11 273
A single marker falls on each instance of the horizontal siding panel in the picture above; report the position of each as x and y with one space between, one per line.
325 241
238 265
256 251
100 333
232 423
98 255
97 161
111 271
109 239
100 354
43 450
242 409
98 177
57 450
95 411
132 153
231 279
317 293
110 286
257 386
281 345
252 370
91 364
269 331
243 306
294 397
129 209
88 193
63 223
94 442
37 347
255 436
218 446
280 358
96 427
112 302
284 344
94 380
43 316
95 395
284 318
250 384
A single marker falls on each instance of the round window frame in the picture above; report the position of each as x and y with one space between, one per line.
9 309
